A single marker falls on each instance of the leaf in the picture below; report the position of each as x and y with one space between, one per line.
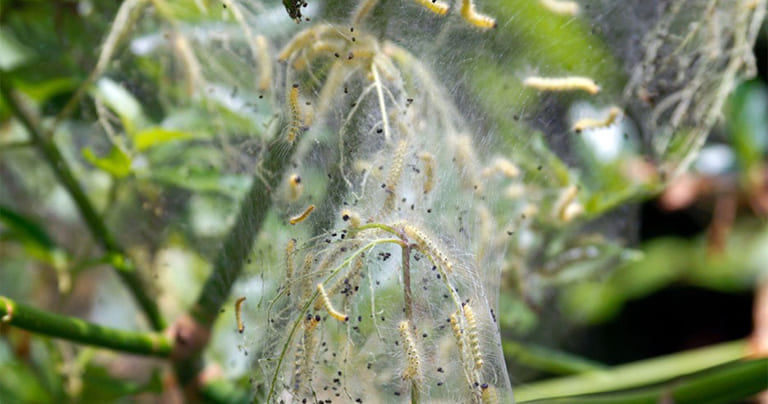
155 136
116 163
12 53
748 123
33 237
122 102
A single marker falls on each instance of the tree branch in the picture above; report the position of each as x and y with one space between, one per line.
74 329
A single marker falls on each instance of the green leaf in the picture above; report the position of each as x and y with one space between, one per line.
748 123
44 90
155 136
12 53
116 163
19 384
33 237
120 100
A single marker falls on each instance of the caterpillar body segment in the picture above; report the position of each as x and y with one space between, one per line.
562 84
325 302
474 341
464 356
437 7
471 15
238 317
561 6
591 123
394 175
429 247
290 246
488 394
428 159
413 359
304 357
302 216
293 106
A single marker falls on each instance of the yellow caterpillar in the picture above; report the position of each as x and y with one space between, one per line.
566 207
469 14
265 77
591 123
413 370
302 216
489 394
503 166
289 267
353 218
238 307
293 105
437 7
429 170
428 247
474 341
295 188
562 84
393 178
326 302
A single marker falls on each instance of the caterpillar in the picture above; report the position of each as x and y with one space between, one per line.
295 188
293 105
429 247
265 76
488 394
591 123
290 246
429 170
302 39
303 215
353 218
561 7
238 307
305 352
413 370
326 302
471 15
474 341
562 84
572 211
437 7
393 177
563 206
503 166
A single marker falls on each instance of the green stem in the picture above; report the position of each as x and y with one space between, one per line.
74 329
548 360
635 374
229 262
52 155
728 383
